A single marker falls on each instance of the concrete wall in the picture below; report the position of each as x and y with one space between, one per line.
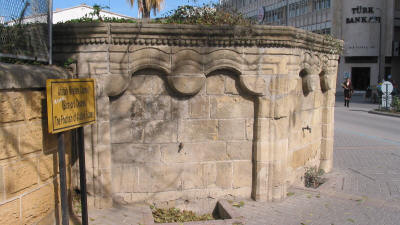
28 153
193 112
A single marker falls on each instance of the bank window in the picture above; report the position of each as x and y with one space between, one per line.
321 4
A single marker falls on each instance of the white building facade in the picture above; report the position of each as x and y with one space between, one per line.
370 29
80 11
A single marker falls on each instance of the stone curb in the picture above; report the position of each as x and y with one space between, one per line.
384 113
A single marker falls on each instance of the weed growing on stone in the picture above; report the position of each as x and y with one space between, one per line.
173 215
238 204
290 194
313 177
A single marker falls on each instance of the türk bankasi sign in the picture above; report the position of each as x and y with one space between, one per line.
363 15
70 103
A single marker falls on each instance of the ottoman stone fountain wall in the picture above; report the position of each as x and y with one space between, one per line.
199 111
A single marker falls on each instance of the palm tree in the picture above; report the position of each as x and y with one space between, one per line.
145 6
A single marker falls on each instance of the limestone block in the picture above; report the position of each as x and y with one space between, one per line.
198 130
92 68
194 152
268 108
31 138
275 129
10 212
327 130
106 184
330 99
114 84
103 108
231 129
231 107
104 156
9 138
242 174
328 115
157 107
279 85
147 85
35 103
187 85
308 101
12 106
161 131
327 149
293 83
318 99
160 177
38 204
134 153
127 106
199 107
119 57
295 140
192 176
209 175
260 185
103 132
224 175
48 166
179 108
125 131
249 129
299 159
2 191
20 175
255 85
240 150
50 141
125 178
93 56
231 86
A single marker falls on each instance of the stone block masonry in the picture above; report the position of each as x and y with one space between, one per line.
28 154
190 112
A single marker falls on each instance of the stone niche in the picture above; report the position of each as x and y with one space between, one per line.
190 112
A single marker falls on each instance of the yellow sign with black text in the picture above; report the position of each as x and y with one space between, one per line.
70 103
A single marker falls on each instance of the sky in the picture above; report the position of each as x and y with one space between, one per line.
122 6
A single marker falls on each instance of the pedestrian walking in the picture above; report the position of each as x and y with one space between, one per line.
348 91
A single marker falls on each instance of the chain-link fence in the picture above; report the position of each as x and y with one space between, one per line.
24 29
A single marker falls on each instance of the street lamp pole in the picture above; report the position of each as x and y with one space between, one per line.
287 12
380 46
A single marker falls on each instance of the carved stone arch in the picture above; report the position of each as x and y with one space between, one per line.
187 77
114 84
306 81
324 80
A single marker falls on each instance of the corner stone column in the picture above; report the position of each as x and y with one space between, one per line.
98 153
326 160
271 150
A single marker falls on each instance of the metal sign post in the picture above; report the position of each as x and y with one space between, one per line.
71 105
63 179
82 175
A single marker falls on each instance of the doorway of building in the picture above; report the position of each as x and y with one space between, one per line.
360 77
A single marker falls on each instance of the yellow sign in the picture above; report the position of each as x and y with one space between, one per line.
70 103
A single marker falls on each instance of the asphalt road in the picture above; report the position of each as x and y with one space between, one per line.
357 123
